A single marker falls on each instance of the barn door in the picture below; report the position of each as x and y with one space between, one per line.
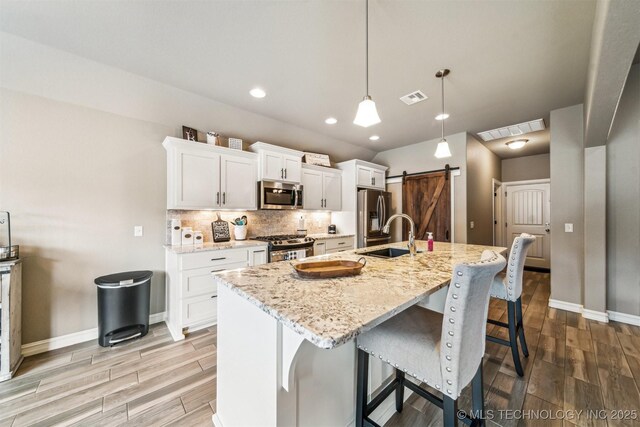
426 199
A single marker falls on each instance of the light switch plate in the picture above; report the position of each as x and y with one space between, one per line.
568 228
472 225
138 231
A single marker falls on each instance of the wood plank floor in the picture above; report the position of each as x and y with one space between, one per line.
573 364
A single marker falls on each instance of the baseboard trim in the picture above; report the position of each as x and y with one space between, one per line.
75 338
630 319
600 316
567 306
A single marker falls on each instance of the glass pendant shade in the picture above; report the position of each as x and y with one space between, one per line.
367 114
442 150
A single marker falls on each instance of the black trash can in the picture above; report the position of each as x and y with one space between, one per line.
123 306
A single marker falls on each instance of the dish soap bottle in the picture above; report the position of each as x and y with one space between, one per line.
430 241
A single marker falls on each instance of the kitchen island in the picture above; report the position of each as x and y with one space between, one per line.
286 349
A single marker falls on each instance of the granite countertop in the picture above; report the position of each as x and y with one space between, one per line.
329 236
233 244
331 312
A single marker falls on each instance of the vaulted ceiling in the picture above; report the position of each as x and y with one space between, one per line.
511 61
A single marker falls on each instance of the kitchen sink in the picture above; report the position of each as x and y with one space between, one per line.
387 252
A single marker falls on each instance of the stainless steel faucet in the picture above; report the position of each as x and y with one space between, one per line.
412 231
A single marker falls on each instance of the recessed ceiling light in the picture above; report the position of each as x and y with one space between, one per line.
443 116
516 144
256 92
374 137
331 121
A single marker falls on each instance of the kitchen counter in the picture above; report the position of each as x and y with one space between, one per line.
233 244
330 312
329 236
291 340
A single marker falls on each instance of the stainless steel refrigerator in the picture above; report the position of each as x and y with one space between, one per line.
374 209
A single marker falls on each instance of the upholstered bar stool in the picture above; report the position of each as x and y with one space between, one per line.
442 350
509 288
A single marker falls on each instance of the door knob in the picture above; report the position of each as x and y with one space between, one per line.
547 227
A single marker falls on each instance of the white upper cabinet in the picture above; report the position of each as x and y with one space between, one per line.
332 187
369 175
322 188
312 189
201 176
278 163
236 173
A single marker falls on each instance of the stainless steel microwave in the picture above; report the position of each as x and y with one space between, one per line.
278 195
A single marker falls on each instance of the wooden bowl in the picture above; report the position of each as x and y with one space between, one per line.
329 269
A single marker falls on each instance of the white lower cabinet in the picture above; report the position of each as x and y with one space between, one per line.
333 245
192 293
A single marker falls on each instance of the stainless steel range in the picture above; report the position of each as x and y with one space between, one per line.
287 247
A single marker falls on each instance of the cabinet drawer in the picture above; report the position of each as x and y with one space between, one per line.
340 243
198 282
335 251
199 309
214 259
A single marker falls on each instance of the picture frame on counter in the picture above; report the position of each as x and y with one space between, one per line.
220 231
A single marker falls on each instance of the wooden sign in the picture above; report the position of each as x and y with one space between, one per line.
220 231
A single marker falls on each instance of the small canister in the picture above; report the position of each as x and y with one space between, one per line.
187 236
198 238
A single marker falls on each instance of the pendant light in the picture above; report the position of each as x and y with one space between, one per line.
367 114
442 150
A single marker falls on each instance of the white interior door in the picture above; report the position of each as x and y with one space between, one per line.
528 211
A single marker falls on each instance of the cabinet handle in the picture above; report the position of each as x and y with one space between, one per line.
325 203
218 259
259 252
319 244
217 271
282 173
285 173
342 243
372 181
218 198
224 197
214 296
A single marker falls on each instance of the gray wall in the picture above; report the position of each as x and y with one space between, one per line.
419 157
482 166
525 168
567 203
81 163
623 207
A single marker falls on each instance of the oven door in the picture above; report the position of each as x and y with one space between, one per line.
277 195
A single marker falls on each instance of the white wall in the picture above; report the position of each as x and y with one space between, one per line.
419 157
623 204
81 163
525 168
567 204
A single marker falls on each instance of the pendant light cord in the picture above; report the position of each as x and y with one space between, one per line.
442 121
366 26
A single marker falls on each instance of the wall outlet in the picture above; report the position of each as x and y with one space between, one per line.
568 228
138 231
472 225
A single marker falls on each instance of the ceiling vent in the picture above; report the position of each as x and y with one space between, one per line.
513 130
414 97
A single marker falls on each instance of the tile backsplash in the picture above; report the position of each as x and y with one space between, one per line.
260 222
